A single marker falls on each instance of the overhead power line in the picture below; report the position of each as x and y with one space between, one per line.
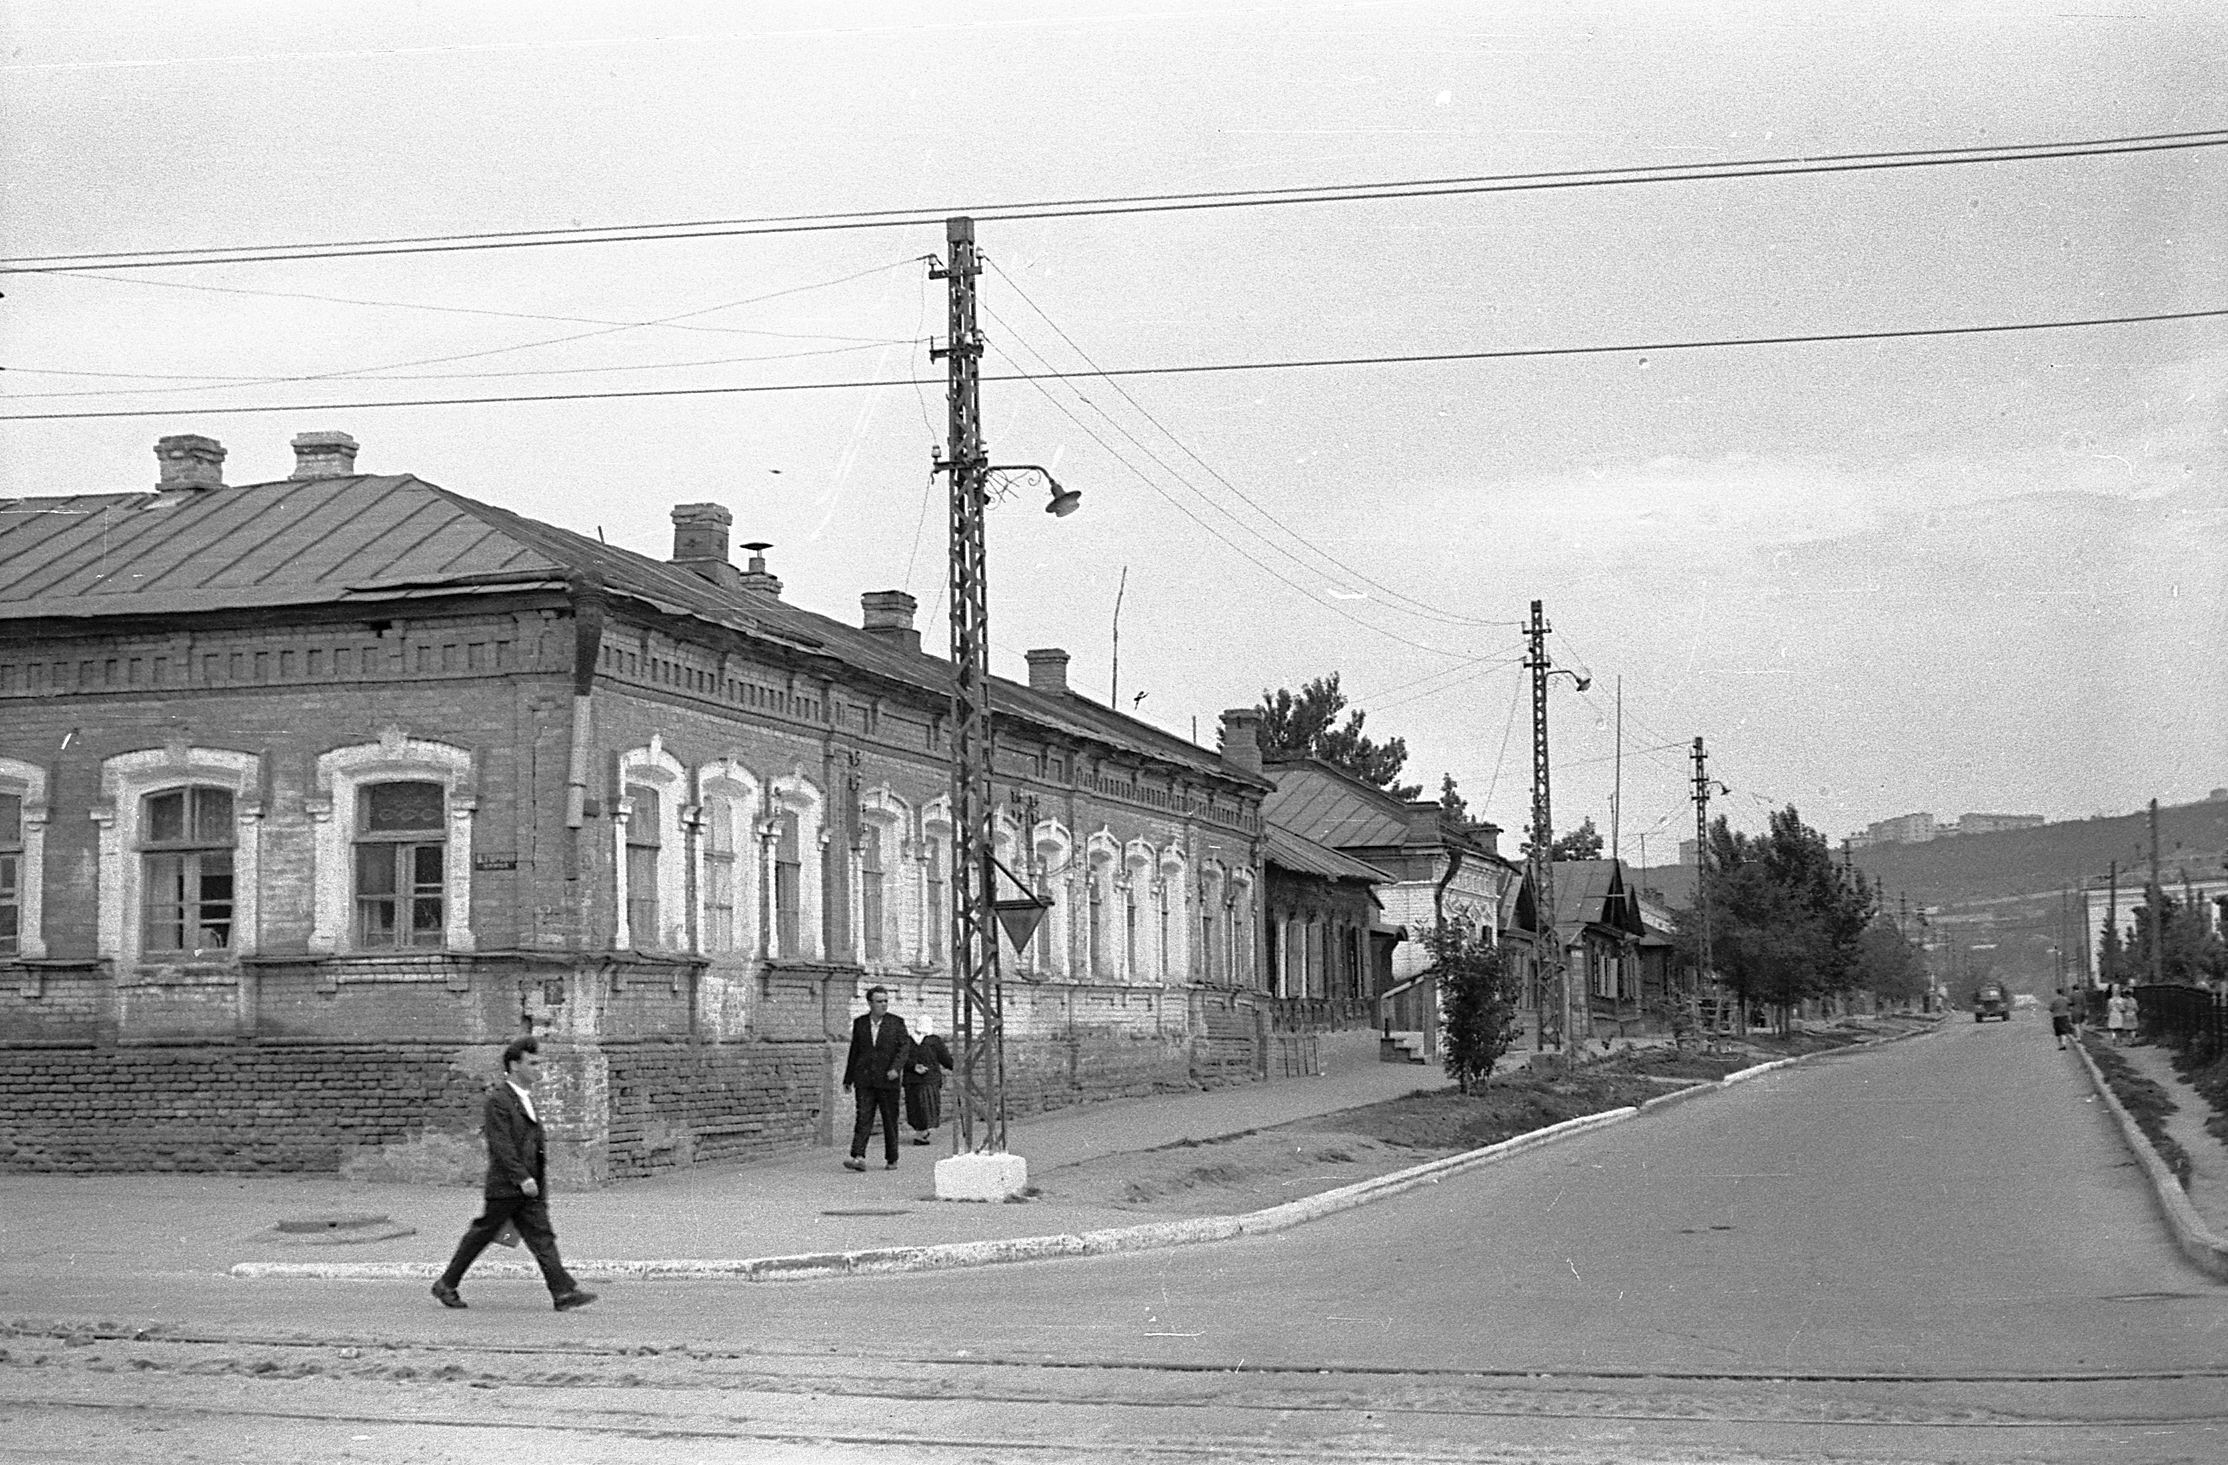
1202 369
1625 176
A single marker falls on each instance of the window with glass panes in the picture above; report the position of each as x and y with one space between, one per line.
939 903
186 837
870 893
643 849
11 874
788 882
719 872
402 865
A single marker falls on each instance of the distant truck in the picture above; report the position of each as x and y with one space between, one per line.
1993 999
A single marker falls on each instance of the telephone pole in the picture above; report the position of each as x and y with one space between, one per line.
2155 898
1555 994
979 1168
1702 859
977 1001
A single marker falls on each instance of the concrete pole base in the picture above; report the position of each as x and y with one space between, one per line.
981 1177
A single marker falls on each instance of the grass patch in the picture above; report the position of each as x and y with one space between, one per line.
2145 1101
2210 1079
1505 1108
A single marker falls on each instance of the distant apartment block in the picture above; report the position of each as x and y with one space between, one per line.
1921 828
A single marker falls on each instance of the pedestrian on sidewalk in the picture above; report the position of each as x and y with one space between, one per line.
924 1083
516 1190
875 1068
2116 1017
2061 1017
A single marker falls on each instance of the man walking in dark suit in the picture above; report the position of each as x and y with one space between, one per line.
880 1049
516 1192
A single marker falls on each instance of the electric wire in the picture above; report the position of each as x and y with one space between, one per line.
1143 477
1206 368
1624 176
1422 607
365 372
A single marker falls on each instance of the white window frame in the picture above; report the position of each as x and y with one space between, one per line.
797 794
1055 851
1102 864
1139 864
653 767
27 782
935 897
1244 930
725 789
891 818
341 776
126 780
1175 915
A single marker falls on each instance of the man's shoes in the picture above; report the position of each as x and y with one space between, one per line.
892 1165
920 1139
573 1299
447 1296
854 1163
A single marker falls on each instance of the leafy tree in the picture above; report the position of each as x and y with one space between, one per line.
1786 922
1451 801
1582 843
2111 954
1307 723
2189 952
1478 994
1888 966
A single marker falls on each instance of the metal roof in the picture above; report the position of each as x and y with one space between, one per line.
1583 891
1297 852
1317 802
368 538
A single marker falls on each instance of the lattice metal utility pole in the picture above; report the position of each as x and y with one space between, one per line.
1555 997
977 999
1702 855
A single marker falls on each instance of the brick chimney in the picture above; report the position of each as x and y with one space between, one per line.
324 455
889 614
700 542
1048 671
189 463
758 577
1241 739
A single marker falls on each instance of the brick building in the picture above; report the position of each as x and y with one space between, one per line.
314 792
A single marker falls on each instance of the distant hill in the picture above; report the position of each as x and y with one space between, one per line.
2000 898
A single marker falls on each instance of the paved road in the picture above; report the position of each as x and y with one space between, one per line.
1933 1251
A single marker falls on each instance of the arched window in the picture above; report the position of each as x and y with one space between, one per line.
727 883
1137 932
1213 949
1055 881
401 860
1244 965
179 853
792 832
391 843
186 839
1175 916
650 854
22 858
1100 862
888 921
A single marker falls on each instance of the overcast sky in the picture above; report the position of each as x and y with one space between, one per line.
1974 572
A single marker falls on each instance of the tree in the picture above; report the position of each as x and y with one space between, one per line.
1478 993
1888 966
2189 952
1451 802
1582 843
1307 724
1786 922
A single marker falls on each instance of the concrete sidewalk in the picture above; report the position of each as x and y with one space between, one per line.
204 1224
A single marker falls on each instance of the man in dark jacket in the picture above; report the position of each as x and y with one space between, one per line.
516 1192
924 1084
875 1067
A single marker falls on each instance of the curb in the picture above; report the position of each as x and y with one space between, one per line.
2196 1241
1151 1235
